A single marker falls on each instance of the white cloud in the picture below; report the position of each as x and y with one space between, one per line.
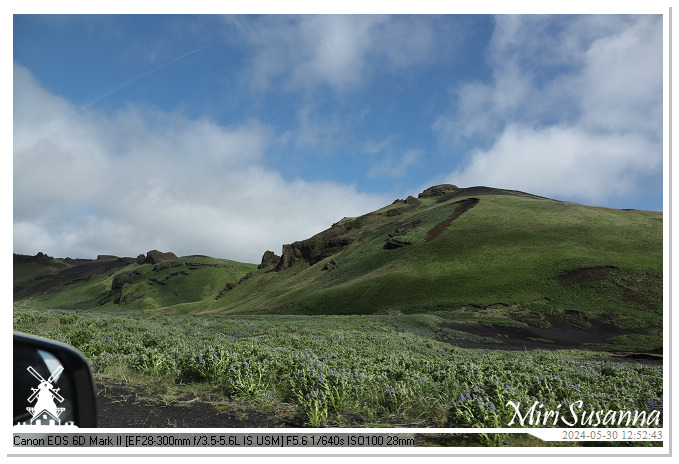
561 161
620 88
341 51
574 108
87 184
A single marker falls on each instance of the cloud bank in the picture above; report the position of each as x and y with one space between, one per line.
573 109
87 184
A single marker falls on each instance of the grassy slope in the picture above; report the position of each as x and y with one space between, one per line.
506 251
180 286
499 261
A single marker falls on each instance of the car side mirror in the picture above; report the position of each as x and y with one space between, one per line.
53 384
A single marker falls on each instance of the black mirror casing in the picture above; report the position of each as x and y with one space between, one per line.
78 385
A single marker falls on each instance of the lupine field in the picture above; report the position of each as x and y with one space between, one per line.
396 369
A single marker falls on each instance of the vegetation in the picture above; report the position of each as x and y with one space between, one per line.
351 370
507 250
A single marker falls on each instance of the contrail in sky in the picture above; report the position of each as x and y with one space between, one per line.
141 76
60 122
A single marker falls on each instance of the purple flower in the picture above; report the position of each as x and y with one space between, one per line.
390 390
200 359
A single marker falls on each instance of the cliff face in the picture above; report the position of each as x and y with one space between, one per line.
268 259
334 239
316 248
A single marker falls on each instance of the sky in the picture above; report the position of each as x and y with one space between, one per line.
230 135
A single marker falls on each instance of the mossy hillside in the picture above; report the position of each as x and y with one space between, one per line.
81 295
179 281
506 249
499 260
176 282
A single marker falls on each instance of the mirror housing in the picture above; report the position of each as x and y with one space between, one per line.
36 362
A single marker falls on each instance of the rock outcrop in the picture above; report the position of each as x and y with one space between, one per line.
438 190
40 258
232 285
155 256
397 238
119 280
318 247
269 258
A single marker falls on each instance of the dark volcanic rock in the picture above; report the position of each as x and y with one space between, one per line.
231 285
268 259
397 240
40 258
330 265
438 190
155 256
318 247
411 200
45 260
141 258
119 280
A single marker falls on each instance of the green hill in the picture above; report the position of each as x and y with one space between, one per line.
468 256
472 254
158 280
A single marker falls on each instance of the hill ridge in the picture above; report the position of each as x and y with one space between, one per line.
491 256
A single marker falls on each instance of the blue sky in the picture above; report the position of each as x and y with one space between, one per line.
231 135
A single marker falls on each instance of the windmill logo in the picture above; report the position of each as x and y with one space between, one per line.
45 410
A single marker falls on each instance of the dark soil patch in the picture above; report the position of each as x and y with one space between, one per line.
627 296
591 274
559 336
127 405
481 190
465 205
